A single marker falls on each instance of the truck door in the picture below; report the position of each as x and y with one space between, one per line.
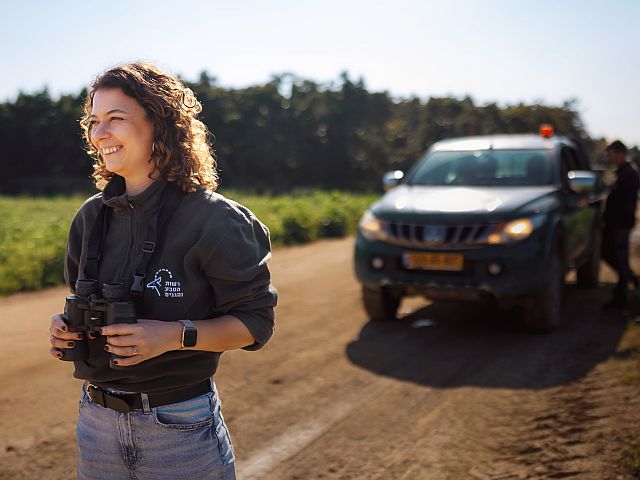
578 217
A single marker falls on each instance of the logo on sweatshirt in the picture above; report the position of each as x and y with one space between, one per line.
165 285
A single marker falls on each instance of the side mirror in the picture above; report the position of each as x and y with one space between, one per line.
585 182
392 179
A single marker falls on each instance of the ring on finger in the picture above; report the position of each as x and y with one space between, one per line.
134 350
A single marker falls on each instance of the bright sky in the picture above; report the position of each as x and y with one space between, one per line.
493 50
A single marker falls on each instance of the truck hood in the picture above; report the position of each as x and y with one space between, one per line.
443 199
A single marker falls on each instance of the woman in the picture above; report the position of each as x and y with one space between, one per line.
196 270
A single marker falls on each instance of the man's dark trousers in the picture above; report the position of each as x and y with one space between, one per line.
615 251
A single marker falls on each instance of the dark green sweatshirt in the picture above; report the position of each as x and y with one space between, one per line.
211 261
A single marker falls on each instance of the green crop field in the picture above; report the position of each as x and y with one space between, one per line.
32 241
33 231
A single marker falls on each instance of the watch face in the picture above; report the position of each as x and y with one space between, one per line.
190 337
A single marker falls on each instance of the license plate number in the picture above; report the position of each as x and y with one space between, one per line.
451 262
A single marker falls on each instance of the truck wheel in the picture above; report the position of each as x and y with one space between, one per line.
587 274
545 314
381 304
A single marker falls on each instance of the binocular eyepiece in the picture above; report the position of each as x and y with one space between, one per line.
92 308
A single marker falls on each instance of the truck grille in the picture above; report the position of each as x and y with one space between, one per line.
438 236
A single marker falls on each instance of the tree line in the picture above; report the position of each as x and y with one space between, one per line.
285 134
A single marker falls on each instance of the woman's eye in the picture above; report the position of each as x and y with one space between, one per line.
92 123
116 118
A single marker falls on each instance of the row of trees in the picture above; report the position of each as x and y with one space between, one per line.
287 133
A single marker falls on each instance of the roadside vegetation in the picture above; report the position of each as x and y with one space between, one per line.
33 235
33 231
304 216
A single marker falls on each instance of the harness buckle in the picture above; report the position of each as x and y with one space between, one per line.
148 246
138 284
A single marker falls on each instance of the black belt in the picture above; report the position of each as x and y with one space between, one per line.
125 402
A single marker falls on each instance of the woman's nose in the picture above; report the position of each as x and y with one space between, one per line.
99 132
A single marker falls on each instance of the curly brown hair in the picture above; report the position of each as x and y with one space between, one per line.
181 150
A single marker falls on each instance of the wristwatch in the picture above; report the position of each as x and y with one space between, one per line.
189 334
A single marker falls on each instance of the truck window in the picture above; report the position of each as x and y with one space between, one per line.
568 162
489 168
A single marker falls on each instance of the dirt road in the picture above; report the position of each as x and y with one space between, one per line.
335 397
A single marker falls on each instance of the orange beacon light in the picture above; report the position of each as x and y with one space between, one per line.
546 130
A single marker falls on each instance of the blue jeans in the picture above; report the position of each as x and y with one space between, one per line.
184 440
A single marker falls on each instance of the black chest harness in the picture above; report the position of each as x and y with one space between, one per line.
171 198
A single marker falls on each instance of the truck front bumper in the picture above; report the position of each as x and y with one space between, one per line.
505 273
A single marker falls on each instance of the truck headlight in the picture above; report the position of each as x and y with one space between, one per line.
515 230
371 227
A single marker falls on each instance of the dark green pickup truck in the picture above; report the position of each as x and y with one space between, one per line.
493 218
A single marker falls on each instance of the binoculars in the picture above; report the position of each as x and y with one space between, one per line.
90 309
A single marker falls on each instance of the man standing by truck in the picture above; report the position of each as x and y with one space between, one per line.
619 219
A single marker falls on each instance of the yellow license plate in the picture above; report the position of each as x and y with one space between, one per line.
452 262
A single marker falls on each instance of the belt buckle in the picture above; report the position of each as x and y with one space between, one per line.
107 399
96 394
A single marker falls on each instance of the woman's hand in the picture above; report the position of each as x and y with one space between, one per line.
60 336
141 341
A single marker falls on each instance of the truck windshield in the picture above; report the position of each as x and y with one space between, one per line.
485 168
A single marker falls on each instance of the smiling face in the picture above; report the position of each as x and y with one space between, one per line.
122 133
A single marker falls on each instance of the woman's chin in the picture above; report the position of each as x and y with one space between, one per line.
113 167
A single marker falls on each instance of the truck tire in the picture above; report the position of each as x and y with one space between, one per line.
587 274
545 314
380 304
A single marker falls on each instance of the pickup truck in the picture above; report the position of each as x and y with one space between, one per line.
498 218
